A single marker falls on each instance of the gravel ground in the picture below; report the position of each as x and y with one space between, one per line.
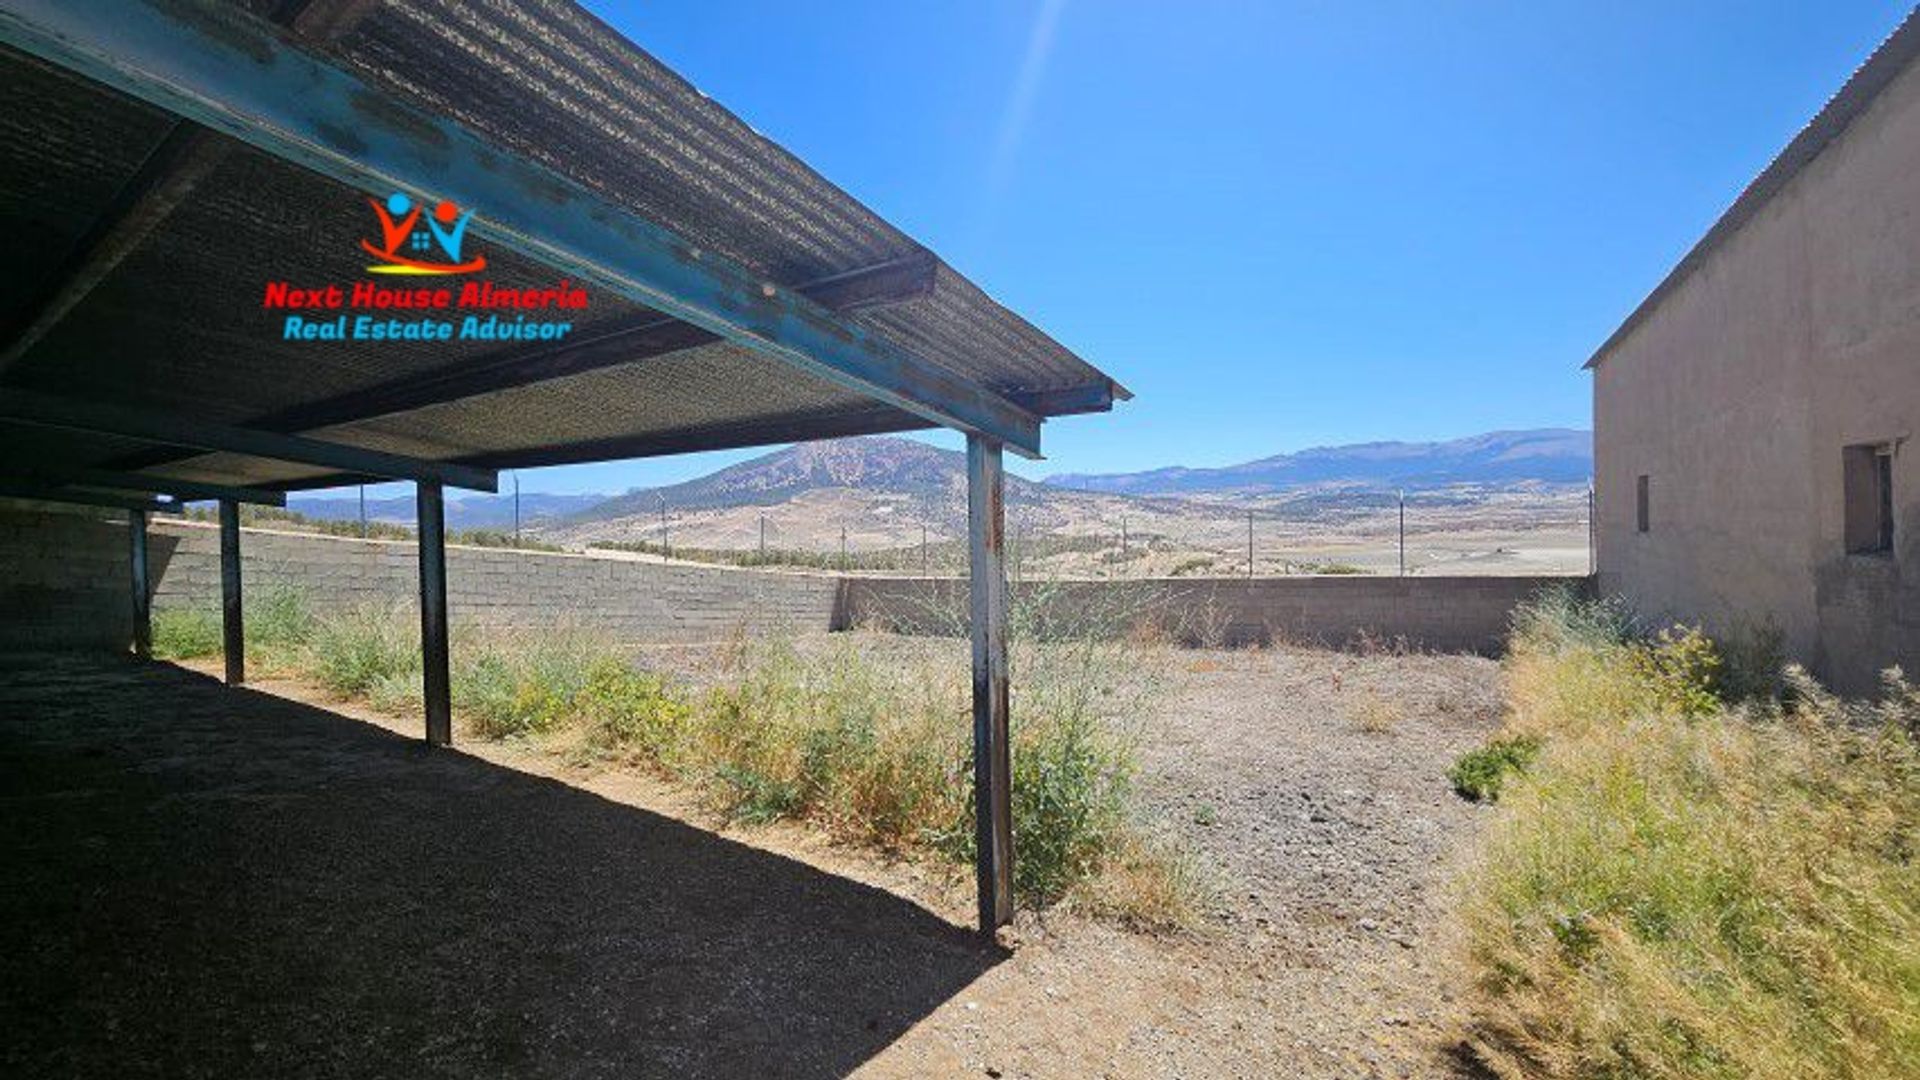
218 883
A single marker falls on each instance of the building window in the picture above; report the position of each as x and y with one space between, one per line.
1868 469
1640 508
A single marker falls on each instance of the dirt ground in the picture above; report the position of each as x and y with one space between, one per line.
210 882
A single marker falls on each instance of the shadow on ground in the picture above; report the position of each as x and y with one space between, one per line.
213 882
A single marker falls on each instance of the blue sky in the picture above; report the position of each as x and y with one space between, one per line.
1280 224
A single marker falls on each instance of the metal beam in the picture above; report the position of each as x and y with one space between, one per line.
183 158
233 632
10 489
165 180
766 431
142 592
436 685
27 407
644 337
240 75
992 761
119 480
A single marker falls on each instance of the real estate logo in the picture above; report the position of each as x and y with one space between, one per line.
425 237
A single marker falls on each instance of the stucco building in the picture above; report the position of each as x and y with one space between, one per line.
1753 416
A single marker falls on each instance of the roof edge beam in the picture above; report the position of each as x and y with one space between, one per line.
239 75
55 493
116 480
877 420
102 418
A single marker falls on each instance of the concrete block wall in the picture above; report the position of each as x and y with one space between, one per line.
64 582
1451 614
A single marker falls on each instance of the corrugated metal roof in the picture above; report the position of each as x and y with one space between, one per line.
1893 56
178 324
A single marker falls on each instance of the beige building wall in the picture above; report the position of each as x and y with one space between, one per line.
1798 336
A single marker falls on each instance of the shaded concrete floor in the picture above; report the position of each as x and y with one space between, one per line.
203 881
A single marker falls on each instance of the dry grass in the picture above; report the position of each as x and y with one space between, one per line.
874 753
1679 887
1376 714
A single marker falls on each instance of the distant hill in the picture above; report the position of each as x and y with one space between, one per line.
901 469
463 511
1544 455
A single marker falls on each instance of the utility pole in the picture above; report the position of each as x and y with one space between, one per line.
1403 532
1249 545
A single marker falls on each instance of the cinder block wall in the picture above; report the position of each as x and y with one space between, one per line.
1452 614
64 582
64 579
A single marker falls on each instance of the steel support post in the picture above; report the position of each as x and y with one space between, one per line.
992 769
437 688
232 629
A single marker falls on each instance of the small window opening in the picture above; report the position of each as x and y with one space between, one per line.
1640 504
1868 471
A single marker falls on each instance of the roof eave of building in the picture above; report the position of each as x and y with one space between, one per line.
1879 71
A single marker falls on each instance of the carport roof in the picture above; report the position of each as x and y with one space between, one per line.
164 161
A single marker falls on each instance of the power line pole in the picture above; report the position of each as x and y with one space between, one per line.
1403 532
1249 545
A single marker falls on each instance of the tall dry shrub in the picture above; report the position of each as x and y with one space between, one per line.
1682 888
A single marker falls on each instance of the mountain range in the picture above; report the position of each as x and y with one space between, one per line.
463 511
1543 455
904 479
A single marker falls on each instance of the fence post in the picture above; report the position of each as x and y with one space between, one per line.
1593 530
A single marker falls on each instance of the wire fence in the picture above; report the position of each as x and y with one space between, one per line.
1528 532
1549 532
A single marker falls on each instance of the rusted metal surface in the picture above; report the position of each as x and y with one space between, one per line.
26 407
436 682
142 589
992 762
231 72
232 631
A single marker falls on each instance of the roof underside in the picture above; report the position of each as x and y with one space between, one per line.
175 321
